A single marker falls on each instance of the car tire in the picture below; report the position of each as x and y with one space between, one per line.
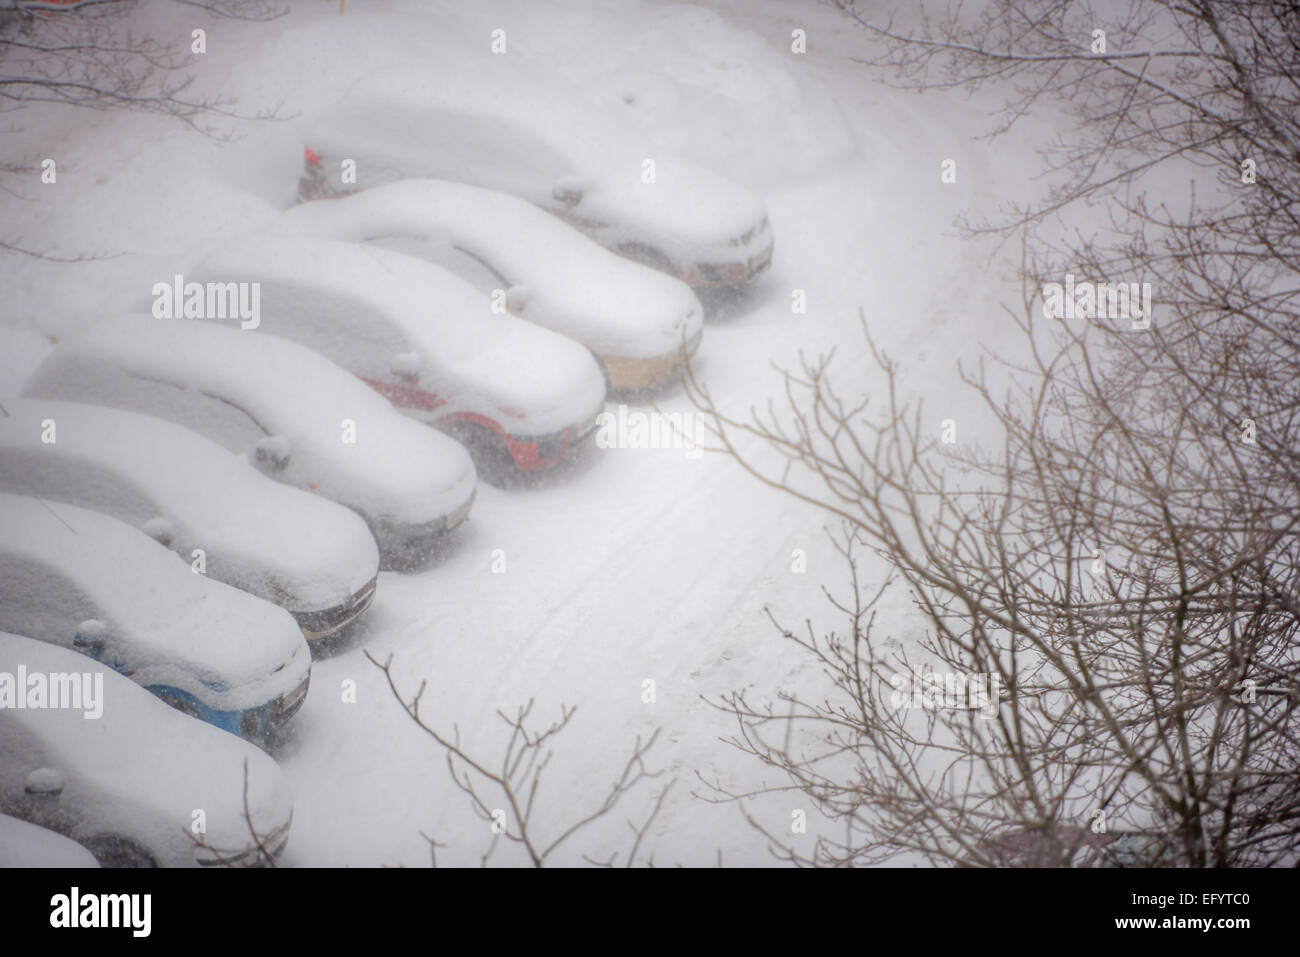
491 457
113 850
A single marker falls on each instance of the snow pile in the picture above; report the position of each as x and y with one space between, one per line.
728 93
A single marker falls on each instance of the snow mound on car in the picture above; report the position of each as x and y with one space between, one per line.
576 287
181 623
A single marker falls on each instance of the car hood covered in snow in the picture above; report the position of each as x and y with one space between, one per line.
575 286
300 551
534 380
142 769
62 565
395 469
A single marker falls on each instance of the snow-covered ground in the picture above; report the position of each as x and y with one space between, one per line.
636 564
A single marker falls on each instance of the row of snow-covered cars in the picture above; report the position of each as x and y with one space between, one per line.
480 267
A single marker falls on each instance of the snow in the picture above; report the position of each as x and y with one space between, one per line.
26 845
474 125
115 784
300 551
342 298
61 565
396 469
577 288
641 564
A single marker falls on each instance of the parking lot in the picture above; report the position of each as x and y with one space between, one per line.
630 583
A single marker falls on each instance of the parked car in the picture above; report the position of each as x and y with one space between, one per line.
640 324
26 845
424 339
87 582
315 559
551 147
133 785
293 413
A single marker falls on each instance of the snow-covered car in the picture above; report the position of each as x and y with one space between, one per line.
132 784
85 581
640 323
426 340
27 845
551 147
312 557
296 415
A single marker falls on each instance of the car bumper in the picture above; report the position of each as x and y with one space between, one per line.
727 273
254 724
407 541
632 374
534 453
260 722
317 625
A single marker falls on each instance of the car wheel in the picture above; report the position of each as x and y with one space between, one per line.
113 850
488 450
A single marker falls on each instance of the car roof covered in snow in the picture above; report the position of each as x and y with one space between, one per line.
178 627
465 345
409 117
396 468
257 533
576 286
142 755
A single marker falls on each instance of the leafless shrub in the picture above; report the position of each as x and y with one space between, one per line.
84 54
260 851
514 780
1124 558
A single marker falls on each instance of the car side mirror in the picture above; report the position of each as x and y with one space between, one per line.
517 298
272 453
44 781
406 365
92 635
569 190
161 530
